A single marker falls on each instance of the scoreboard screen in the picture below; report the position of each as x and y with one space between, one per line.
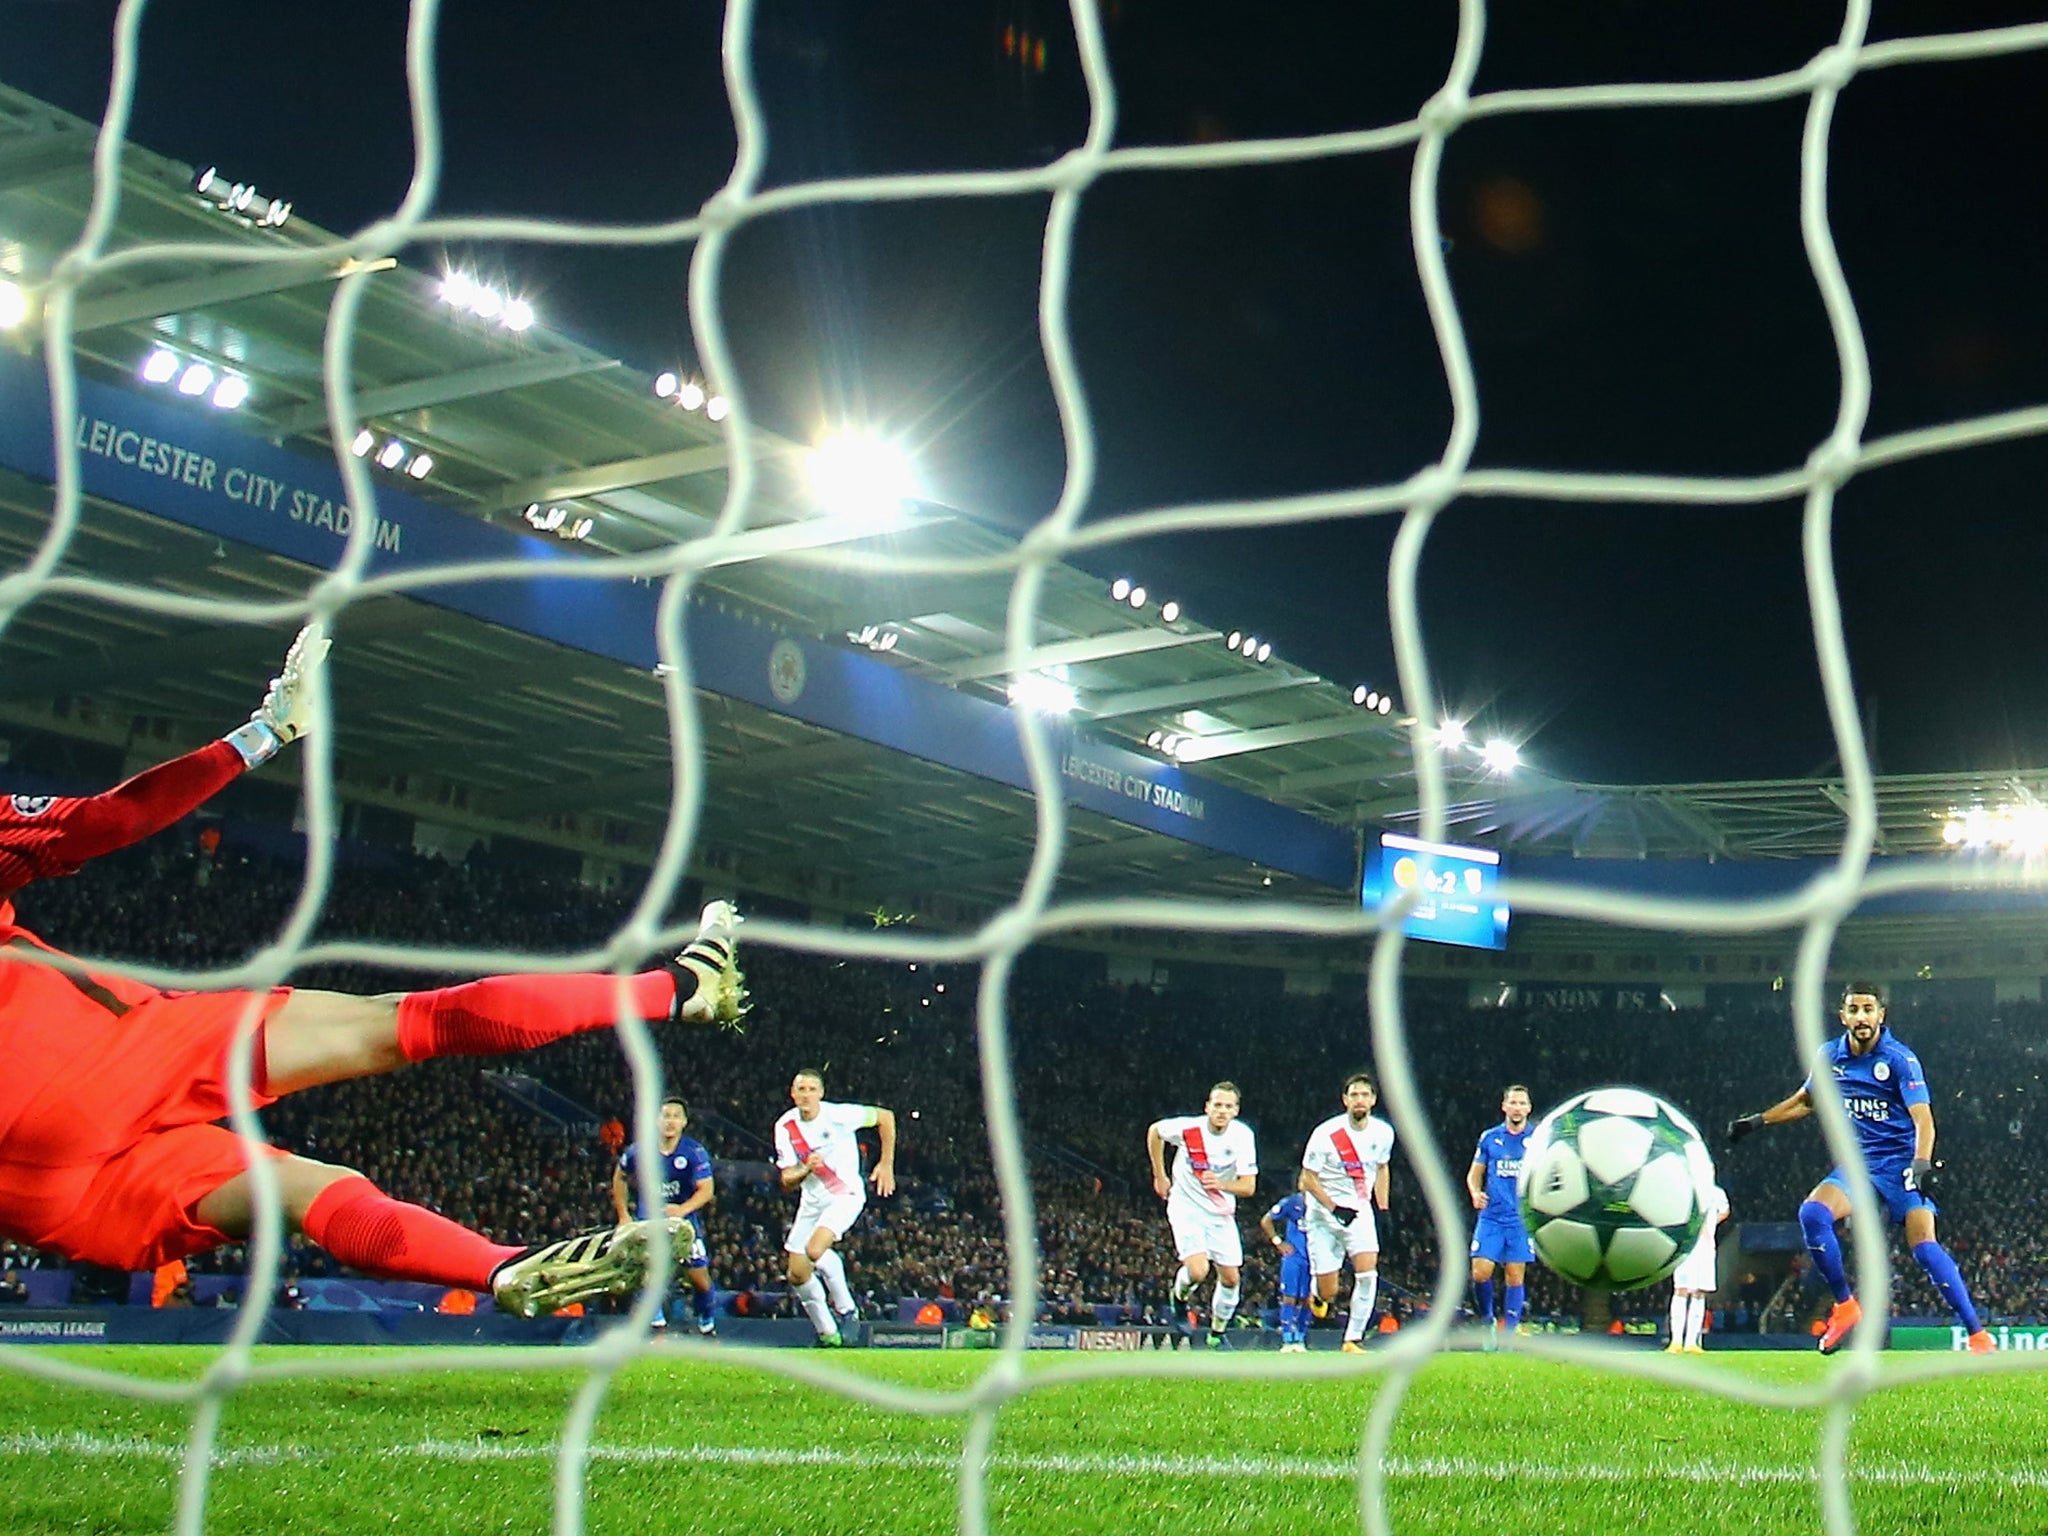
1457 903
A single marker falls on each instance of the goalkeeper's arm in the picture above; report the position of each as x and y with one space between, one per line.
41 838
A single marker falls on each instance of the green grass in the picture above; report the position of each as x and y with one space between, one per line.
698 1441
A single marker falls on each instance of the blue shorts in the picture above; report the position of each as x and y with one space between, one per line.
1502 1242
1294 1275
1889 1180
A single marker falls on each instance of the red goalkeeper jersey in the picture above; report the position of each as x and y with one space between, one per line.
46 835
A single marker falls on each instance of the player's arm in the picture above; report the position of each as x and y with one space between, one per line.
1272 1236
884 1176
1796 1106
699 1198
792 1171
1244 1185
1155 1148
1923 1132
1475 1183
619 1205
1382 1183
1312 1186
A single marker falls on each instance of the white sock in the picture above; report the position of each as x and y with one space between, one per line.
1696 1324
1183 1282
1224 1307
1365 1291
812 1294
1679 1308
832 1270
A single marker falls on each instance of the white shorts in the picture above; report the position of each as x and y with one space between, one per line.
835 1213
1199 1231
1330 1243
1696 1271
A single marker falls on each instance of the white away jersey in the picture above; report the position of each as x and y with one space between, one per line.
1717 1207
1347 1159
1230 1154
831 1135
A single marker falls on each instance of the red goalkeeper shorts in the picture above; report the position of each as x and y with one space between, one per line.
109 1155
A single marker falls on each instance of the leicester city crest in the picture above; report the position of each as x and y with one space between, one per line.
1881 1071
786 671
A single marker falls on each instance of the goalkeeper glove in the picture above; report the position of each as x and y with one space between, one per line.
1739 1128
1921 1176
1343 1215
287 708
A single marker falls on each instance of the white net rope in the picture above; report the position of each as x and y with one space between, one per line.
1817 910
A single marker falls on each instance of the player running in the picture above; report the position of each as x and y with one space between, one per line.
1885 1092
107 1150
1695 1276
1282 1225
683 1177
818 1152
1219 1160
1344 1175
1499 1237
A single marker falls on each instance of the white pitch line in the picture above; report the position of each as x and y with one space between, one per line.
1400 1468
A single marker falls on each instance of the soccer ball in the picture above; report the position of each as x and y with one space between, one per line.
1614 1188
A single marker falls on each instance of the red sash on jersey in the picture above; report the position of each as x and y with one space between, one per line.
1197 1154
824 1173
1354 1165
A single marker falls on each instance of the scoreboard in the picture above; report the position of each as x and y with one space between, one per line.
1456 904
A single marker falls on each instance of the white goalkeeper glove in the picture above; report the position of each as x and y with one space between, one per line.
287 708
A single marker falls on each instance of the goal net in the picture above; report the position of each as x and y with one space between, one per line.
1065 182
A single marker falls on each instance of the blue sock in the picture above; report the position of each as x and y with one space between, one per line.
1819 1224
1296 1315
1482 1290
1516 1295
704 1303
1941 1269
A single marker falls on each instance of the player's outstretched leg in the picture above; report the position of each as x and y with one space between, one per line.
1948 1280
1817 1219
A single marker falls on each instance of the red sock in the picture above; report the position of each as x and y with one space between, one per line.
368 1230
518 1013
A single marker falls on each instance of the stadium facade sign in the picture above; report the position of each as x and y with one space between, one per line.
1955 1340
190 467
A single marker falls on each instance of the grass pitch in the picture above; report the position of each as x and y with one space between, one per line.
697 1440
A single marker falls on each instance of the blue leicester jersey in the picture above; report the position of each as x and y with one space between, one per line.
1500 1154
680 1172
1286 1216
1877 1086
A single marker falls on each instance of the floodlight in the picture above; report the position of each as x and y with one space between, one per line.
160 367
458 289
1120 589
421 466
691 395
195 380
365 441
1234 639
581 528
1250 646
1043 695
1450 735
1360 694
1265 650
392 454
1169 611
1137 597
13 304
666 386
717 407
1952 832
518 315
231 392
863 478
1155 738
1500 755
486 303
1386 704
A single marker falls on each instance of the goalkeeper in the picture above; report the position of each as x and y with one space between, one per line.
107 1150
1885 1091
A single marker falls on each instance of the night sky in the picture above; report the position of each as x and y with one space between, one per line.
1633 285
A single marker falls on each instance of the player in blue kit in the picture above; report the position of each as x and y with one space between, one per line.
1499 1236
683 1175
1885 1092
1283 1229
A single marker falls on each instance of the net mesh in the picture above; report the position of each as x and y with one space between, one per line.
1817 910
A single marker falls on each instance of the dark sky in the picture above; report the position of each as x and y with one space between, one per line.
1633 285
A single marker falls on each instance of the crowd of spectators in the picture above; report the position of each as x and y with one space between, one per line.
1094 1063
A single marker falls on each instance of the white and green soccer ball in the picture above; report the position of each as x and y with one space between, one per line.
1614 1188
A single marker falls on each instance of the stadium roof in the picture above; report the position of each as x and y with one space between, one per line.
479 726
